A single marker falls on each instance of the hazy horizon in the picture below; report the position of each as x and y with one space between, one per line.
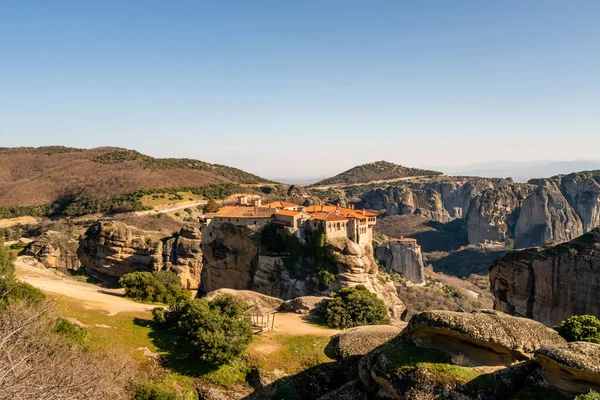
305 89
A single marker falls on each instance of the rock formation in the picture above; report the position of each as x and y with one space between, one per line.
114 249
401 259
571 367
498 210
233 259
550 284
360 340
55 250
486 337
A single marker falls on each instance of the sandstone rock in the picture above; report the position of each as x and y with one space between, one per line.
582 191
552 284
362 339
251 298
402 260
486 337
114 249
492 215
546 216
571 367
55 250
305 304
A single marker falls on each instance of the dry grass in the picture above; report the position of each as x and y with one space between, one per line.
37 176
151 222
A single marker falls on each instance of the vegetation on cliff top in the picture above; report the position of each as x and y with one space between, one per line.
375 171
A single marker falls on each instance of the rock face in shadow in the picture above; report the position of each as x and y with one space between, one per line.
402 260
571 367
360 340
55 250
550 284
486 337
114 249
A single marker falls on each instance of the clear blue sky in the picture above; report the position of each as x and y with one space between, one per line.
305 88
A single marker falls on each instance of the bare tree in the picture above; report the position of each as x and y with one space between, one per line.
37 363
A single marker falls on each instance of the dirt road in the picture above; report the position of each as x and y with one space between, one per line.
91 296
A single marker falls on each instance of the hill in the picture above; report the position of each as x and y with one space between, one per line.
47 175
375 171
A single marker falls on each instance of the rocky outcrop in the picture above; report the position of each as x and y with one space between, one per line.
492 215
485 337
55 250
249 297
114 249
401 259
550 284
546 216
362 339
582 191
357 266
571 367
305 305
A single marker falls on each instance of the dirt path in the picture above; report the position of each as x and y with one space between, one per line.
297 324
91 296
344 185
169 208
8 222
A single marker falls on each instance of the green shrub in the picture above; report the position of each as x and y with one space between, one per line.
7 266
354 307
153 392
591 395
211 206
218 331
158 286
584 328
70 330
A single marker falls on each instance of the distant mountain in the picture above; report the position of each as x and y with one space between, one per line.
43 175
523 171
375 171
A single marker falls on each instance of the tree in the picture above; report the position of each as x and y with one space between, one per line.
355 307
591 395
218 330
7 268
211 206
158 286
584 328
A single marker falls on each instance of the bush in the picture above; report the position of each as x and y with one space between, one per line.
354 307
591 395
153 392
158 286
7 267
12 290
584 328
218 331
73 332
210 207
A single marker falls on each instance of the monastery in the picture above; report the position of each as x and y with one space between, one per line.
357 225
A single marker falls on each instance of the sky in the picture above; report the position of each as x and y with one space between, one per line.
305 88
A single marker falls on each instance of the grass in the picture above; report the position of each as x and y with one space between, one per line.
407 356
155 200
291 354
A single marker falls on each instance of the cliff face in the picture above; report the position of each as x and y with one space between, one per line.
114 249
498 210
233 259
402 260
552 284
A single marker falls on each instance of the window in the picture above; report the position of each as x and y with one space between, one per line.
254 222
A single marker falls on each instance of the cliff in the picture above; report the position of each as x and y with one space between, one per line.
550 284
401 259
114 249
498 210
234 258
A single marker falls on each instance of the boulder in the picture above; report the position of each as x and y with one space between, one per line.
571 367
485 337
55 250
251 298
305 304
362 339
